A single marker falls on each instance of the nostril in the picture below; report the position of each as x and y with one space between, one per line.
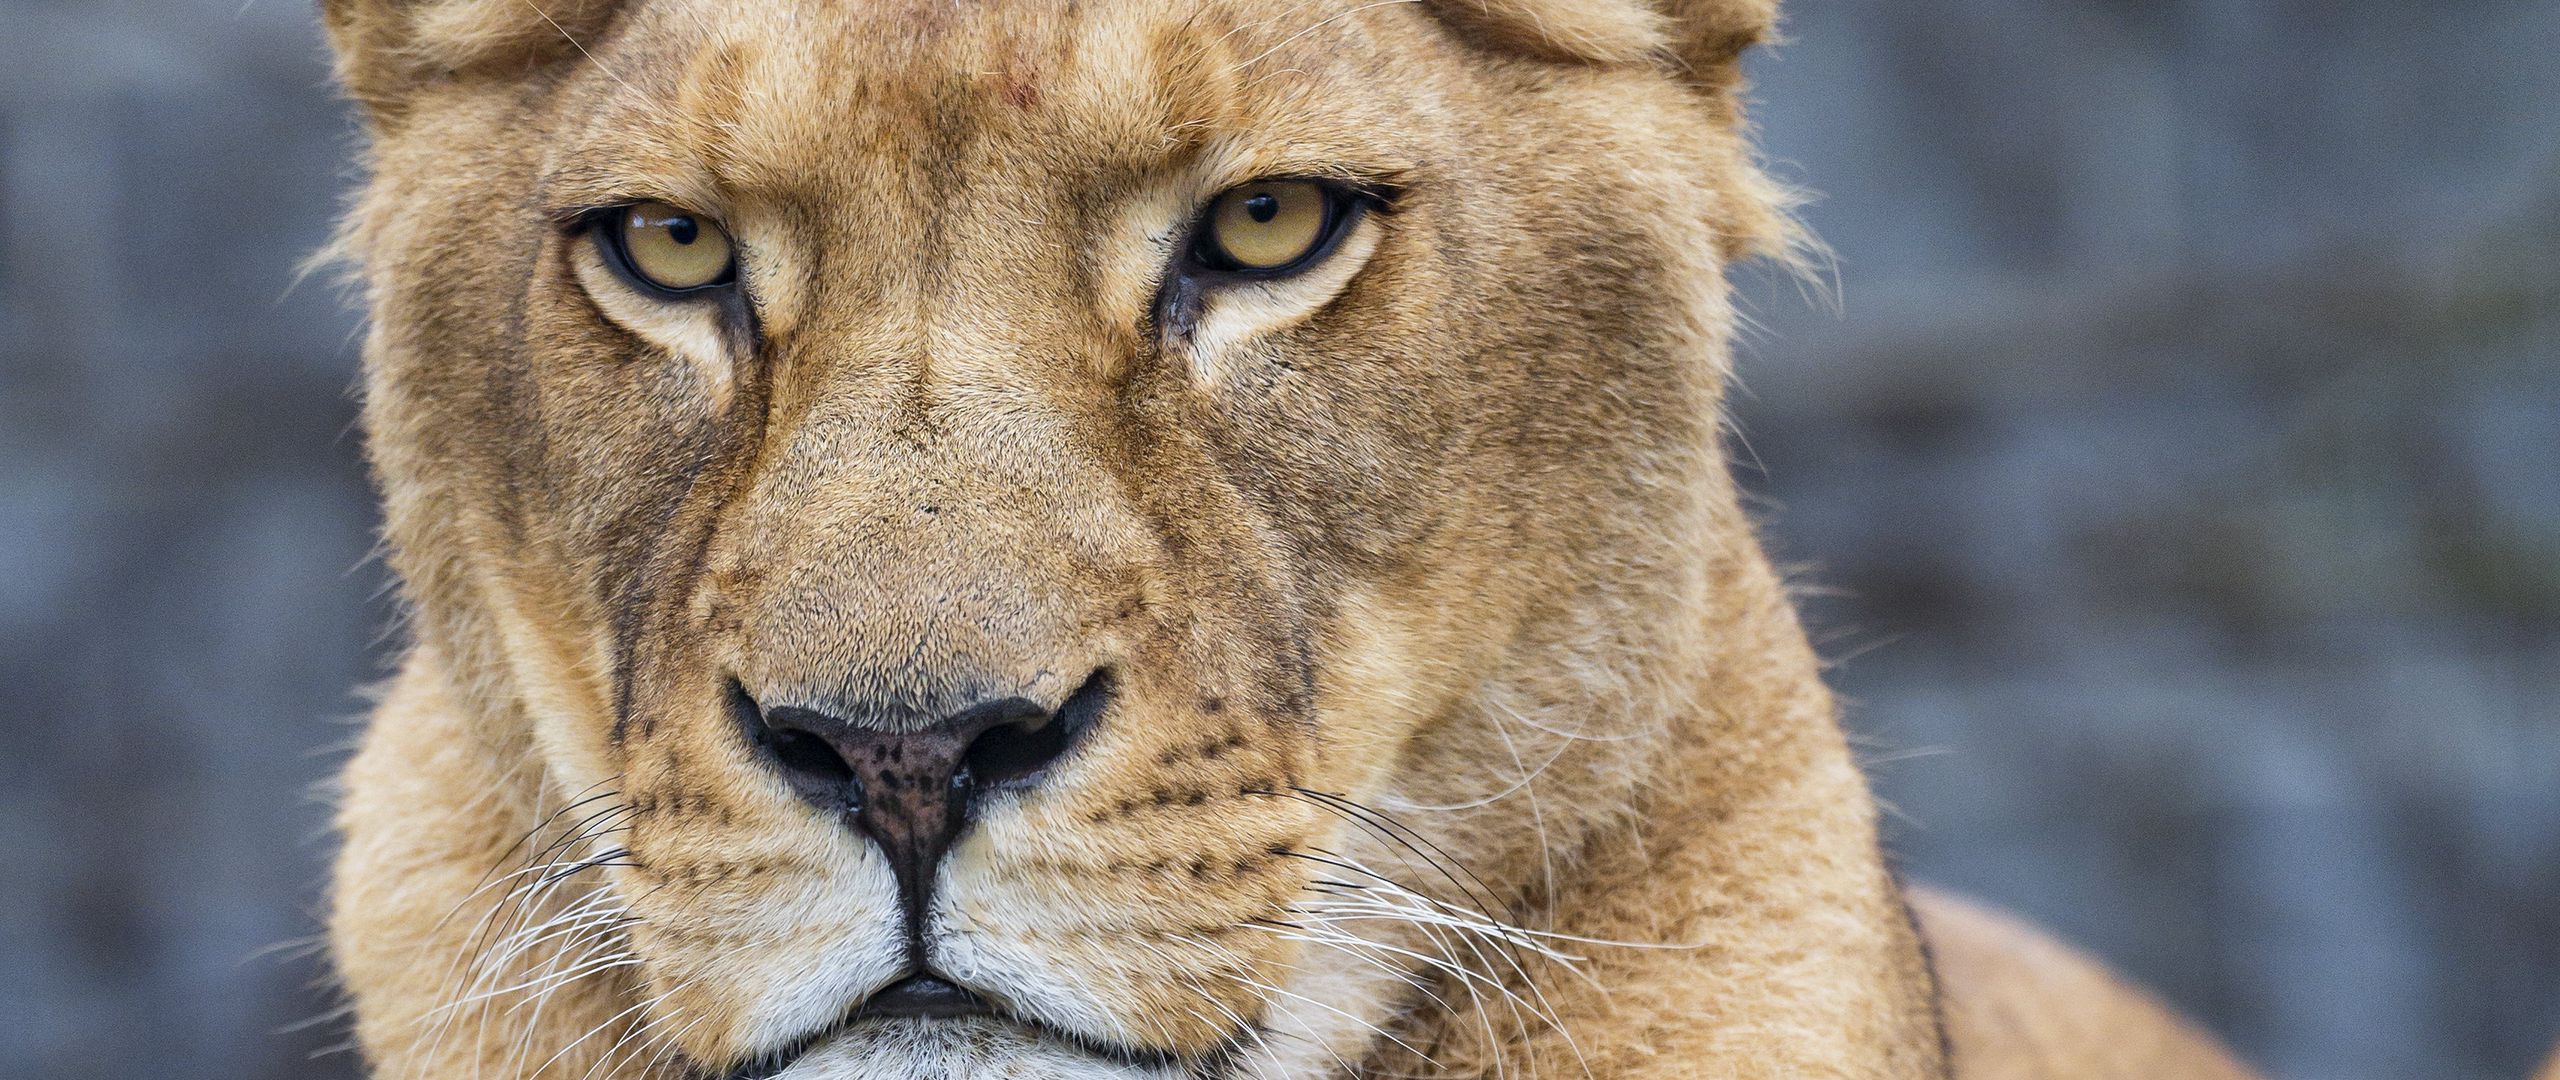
805 759
803 754
1014 752
1019 751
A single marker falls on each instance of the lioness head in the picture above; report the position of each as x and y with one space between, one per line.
988 518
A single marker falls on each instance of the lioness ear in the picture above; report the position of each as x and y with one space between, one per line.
387 49
1706 38
1703 41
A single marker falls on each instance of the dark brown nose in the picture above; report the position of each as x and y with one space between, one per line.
908 780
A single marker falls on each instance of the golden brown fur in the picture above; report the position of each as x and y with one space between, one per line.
1460 727
2020 1006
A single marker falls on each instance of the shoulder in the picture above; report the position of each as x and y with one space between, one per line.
2020 1005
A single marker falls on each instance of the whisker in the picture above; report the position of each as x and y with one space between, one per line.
1256 984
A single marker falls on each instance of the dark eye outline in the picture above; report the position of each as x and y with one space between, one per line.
604 225
1344 206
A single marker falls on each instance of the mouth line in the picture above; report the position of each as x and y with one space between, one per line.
774 1062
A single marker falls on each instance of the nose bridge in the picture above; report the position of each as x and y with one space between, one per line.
932 532
963 259
976 342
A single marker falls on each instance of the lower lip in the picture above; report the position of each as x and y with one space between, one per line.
1037 1039
816 1046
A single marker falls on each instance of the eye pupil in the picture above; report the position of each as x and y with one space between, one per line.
1262 206
682 230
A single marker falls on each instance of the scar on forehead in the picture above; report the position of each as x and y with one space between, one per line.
1017 78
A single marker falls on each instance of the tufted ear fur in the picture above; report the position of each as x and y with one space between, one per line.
1704 42
1710 36
389 49
1704 38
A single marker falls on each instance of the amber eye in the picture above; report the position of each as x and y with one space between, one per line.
671 249
1268 225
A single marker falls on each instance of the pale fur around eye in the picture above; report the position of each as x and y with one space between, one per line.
1243 310
701 334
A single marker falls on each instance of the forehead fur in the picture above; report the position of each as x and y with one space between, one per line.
740 102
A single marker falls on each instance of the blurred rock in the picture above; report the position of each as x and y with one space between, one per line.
2181 487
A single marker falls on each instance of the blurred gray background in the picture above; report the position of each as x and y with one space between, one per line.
2178 482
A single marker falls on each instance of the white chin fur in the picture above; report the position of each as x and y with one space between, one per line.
957 1050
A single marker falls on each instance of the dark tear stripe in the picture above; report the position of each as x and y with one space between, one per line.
1155 386
750 415
1287 600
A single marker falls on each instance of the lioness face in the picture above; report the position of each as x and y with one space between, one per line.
987 490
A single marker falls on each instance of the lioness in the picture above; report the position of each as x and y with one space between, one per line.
1032 538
